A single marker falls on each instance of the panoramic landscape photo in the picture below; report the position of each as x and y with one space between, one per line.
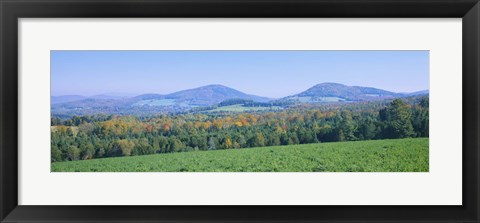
239 111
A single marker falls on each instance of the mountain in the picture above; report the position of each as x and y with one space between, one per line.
211 94
65 98
148 97
153 103
424 92
88 103
106 96
334 92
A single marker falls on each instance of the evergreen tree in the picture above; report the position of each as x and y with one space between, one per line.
399 122
211 144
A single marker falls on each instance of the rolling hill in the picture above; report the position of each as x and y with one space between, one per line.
424 92
334 92
65 98
152 103
212 94
213 97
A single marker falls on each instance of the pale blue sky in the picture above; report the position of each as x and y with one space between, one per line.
265 73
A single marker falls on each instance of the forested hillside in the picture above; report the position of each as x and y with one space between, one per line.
100 136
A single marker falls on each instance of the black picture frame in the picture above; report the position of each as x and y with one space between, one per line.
12 10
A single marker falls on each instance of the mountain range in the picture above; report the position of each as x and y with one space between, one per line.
211 95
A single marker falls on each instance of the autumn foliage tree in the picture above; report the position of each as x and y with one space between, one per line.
99 136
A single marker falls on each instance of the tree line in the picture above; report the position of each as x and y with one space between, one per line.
99 136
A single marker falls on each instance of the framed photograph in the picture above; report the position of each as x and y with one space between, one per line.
239 111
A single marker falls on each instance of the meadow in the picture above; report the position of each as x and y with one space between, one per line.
390 155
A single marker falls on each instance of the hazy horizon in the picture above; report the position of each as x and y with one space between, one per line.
272 74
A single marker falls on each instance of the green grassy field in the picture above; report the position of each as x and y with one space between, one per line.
395 155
